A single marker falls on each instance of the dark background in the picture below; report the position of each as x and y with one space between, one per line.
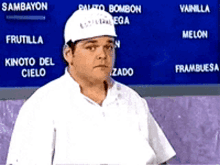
152 44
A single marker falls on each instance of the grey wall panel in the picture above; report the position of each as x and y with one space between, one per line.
192 126
8 113
143 90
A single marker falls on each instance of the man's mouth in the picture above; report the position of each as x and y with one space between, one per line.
102 66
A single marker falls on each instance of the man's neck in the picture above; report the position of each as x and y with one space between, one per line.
96 86
96 90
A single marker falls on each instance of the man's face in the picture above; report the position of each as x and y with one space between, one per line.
93 59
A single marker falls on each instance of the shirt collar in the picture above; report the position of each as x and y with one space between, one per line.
113 87
70 81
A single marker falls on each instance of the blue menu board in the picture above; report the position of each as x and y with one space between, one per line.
159 42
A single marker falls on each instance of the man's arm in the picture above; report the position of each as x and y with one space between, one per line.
158 140
32 137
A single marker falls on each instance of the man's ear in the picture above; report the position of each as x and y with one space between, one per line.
67 54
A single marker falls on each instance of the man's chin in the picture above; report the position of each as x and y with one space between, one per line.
101 78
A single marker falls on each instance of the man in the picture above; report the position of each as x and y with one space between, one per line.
85 117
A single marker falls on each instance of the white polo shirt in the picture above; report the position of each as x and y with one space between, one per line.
59 125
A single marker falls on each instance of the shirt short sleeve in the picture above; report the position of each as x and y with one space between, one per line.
157 139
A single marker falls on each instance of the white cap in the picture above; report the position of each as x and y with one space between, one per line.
90 23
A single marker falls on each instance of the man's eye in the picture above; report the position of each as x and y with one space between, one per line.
91 48
109 47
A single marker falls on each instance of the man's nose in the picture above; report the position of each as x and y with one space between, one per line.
102 54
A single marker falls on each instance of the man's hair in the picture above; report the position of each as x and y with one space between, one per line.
72 45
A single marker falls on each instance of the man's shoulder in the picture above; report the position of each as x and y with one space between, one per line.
133 101
49 90
127 91
53 85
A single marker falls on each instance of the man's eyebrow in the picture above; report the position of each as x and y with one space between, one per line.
95 41
90 41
